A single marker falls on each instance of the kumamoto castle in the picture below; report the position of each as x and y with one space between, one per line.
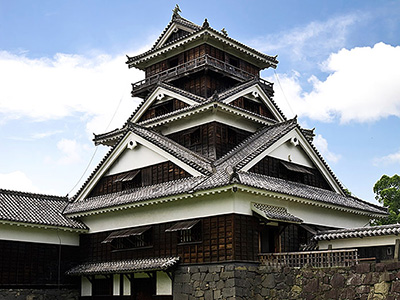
207 192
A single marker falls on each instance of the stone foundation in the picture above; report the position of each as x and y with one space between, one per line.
245 281
39 294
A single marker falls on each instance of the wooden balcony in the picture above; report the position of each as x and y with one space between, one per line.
318 259
195 65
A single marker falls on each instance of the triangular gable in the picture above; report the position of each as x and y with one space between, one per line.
159 95
174 32
257 94
294 148
121 156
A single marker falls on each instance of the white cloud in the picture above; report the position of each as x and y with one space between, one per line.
17 181
393 158
322 146
66 85
71 152
313 39
362 86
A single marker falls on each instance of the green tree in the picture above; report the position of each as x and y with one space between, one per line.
387 192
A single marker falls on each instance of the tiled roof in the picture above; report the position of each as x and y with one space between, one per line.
275 213
196 161
240 87
129 197
35 209
125 266
199 34
255 145
359 232
304 191
177 19
193 159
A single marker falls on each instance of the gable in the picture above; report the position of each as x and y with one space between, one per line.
153 150
293 149
136 158
173 32
165 99
257 101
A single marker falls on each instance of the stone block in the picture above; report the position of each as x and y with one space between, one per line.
269 281
393 266
380 267
230 283
226 275
215 269
217 294
362 268
363 289
228 292
396 286
354 280
312 286
337 281
385 276
208 295
382 288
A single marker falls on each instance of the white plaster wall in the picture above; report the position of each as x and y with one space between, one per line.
297 154
38 235
218 204
116 284
203 118
195 207
86 287
127 286
138 157
164 284
385 240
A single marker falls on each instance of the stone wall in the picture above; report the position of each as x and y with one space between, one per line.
39 294
252 281
216 281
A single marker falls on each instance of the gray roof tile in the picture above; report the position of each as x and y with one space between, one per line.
359 232
125 266
35 209
166 189
306 192
275 213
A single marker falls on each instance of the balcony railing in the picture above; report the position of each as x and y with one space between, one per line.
202 61
319 259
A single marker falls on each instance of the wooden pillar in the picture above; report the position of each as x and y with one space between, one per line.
396 250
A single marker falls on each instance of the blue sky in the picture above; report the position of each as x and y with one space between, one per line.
63 77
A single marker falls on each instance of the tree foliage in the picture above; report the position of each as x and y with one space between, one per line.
387 192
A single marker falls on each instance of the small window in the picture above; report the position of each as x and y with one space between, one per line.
234 62
173 62
188 231
130 238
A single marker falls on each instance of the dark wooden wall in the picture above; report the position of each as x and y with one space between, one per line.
157 173
224 238
199 51
157 110
212 139
255 107
273 167
25 264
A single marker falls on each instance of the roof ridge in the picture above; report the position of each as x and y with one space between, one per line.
283 182
203 158
31 194
252 137
272 61
176 18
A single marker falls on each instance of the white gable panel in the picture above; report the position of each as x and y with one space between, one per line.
159 95
136 158
295 154
257 94
303 146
